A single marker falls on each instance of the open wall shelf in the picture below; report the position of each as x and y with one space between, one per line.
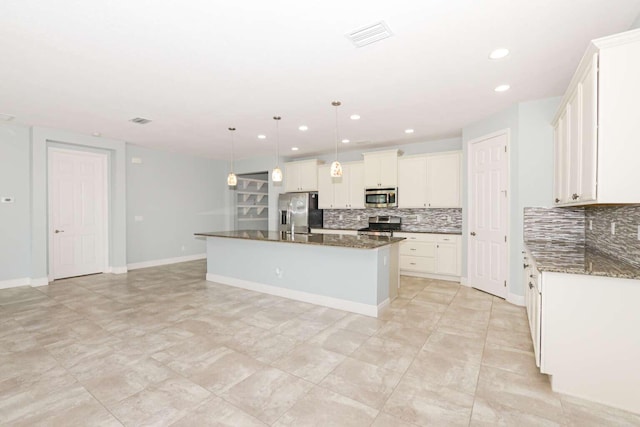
252 202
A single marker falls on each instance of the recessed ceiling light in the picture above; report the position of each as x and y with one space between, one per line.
96 134
262 136
499 53
345 141
303 128
355 117
294 148
502 88
408 131
6 117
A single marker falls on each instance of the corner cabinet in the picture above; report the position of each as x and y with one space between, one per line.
596 133
301 176
430 255
381 169
429 181
346 192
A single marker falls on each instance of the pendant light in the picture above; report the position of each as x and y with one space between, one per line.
336 167
276 175
232 180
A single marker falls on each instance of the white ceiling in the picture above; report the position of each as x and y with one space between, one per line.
197 67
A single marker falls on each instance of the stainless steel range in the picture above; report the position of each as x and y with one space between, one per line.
381 226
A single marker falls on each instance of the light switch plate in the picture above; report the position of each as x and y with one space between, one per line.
138 218
136 160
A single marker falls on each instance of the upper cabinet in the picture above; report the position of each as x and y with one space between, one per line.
381 169
596 133
429 181
301 176
346 192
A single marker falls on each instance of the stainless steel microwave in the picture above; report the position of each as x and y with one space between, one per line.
381 197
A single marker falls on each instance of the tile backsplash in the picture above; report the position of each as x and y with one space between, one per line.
590 226
624 244
443 220
557 224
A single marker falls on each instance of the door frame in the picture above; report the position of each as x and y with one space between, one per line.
104 158
506 132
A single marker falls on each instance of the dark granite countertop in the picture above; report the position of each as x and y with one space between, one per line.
338 240
403 231
565 257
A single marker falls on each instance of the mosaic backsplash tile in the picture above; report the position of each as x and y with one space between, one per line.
589 226
419 220
624 244
554 224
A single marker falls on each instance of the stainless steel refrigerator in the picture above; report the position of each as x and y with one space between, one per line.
299 212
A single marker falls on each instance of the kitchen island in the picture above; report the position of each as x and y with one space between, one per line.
353 273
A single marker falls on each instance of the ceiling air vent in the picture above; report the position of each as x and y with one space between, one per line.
140 120
369 34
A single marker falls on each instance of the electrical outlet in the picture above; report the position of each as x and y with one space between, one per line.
418 218
136 160
613 228
639 232
340 217
358 217
138 218
279 272
590 224
183 248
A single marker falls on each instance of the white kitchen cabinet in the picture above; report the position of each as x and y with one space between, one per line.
381 169
429 181
533 303
430 255
594 129
301 176
326 188
412 182
346 192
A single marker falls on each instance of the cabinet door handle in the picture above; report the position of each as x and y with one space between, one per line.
557 200
530 285
575 196
473 233
525 265
59 231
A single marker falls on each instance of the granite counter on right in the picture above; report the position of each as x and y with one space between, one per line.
582 305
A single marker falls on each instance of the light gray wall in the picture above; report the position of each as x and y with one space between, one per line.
530 168
636 23
15 217
176 195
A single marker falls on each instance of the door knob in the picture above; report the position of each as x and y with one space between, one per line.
59 231
473 233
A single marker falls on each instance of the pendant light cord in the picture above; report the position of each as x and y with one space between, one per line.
337 134
277 119
232 151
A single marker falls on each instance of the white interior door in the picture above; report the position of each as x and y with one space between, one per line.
77 206
488 220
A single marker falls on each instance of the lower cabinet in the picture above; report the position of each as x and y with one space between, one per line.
430 255
533 302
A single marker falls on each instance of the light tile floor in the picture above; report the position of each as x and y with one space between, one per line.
161 346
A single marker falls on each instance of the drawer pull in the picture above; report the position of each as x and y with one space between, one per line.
412 263
413 249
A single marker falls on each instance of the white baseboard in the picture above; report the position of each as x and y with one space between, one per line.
166 261
118 270
340 304
24 281
14 283
515 299
39 281
430 276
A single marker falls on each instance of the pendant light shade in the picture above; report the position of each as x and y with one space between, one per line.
276 175
336 167
232 179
